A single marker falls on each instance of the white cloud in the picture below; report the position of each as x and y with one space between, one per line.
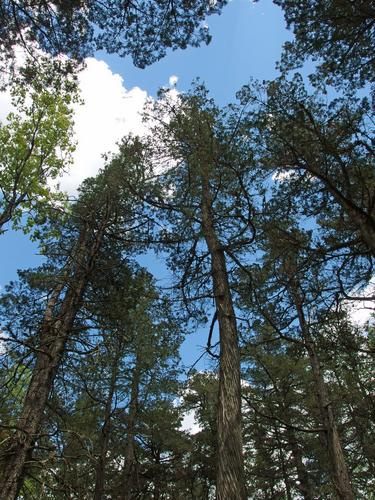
189 423
360 311
5 105
173 79
109 112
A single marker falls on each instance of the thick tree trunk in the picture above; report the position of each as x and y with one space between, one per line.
339 472
230 473
53 335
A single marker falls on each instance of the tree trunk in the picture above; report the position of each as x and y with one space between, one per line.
281 453
130 463
7 213
362 431
54 333
363 221
105 434
230 473
303 478
339 472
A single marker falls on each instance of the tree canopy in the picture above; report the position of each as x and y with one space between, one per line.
262 212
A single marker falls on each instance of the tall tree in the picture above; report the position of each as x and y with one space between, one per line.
104 207
207 213
324 151
301 289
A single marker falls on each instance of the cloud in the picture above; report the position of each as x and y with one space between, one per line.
110 111
5 105
190 424
173 79
361 311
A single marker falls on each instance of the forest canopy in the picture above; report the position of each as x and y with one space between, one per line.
262 212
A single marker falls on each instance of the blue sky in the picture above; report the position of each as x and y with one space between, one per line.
246 42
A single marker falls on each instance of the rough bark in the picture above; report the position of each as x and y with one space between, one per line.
339 472
230 472
53 335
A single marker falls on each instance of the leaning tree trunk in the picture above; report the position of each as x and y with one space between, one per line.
363 220
53 335
339 472
230 471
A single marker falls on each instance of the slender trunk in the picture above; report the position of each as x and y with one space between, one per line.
130 465
7 214
281 452
230 473
157 482
362 431
339 472
365 222
54 333
303 478
105 435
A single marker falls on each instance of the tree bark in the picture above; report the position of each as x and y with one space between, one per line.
53 334
339 472
230 473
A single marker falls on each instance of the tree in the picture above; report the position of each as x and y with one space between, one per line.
298 286
339 35
143 29
206 215
36 146
276 417
324 150
103 209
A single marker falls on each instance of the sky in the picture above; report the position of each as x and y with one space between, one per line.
246 43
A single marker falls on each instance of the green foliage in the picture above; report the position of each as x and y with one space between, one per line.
338 35
36 146
143 29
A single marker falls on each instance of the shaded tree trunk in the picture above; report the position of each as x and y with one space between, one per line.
105 435
339 472
363 221
130 462
230 472
281 452
303 478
